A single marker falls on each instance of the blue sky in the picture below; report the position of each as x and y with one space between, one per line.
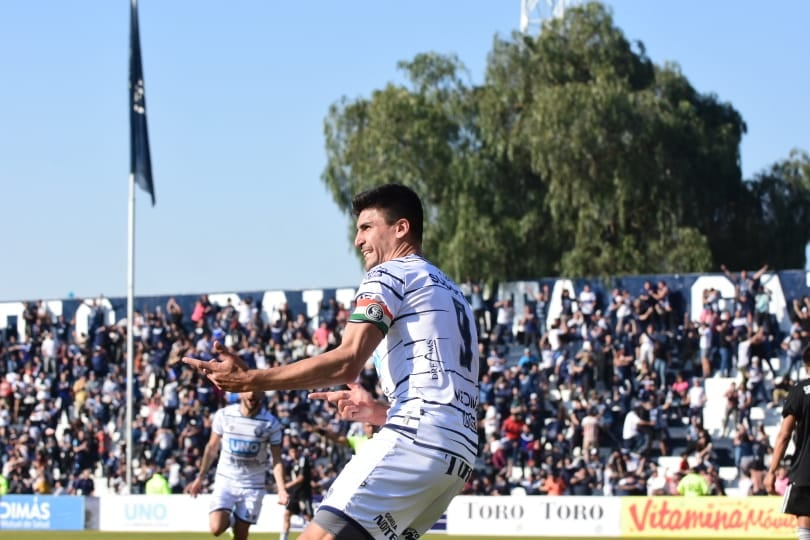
237 92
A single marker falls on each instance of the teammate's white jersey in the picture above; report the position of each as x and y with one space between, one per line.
428 359
245 456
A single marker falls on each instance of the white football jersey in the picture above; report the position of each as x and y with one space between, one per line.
428 359
245 456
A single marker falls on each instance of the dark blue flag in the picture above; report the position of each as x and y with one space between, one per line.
140 164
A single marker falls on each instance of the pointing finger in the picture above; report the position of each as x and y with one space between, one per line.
194 362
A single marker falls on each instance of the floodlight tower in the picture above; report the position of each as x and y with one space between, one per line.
533 13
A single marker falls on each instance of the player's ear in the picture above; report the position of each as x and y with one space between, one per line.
402 228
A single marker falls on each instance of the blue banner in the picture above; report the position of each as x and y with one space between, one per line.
41 512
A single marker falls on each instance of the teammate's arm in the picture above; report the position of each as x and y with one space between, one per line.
278 474
782 441
209 456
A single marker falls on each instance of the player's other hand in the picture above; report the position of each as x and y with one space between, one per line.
194 488
228 371
283 498
355 404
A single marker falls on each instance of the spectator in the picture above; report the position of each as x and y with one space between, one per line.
756 382
634 433
732 412
792 347
83 484
781 389
502 332
511 431
693 484
587 302
554 484
527 360
696 400
157 483
780 485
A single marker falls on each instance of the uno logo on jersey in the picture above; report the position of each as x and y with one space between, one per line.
244 448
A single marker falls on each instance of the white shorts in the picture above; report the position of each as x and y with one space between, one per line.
245 503
393 488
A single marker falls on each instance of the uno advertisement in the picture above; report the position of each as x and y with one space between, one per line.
470 515
702 517
41 512
174 513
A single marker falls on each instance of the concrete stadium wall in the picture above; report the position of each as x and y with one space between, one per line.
686 290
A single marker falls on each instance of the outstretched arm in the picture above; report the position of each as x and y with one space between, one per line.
339 366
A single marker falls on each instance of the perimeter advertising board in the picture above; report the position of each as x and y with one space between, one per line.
705 517
41 512
174 513
534 515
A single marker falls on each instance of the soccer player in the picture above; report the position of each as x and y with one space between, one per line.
249 437
795 417
299 488
417 327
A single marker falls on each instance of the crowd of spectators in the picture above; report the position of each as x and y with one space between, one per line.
579 404
587 407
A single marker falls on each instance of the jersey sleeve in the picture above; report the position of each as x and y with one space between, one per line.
216 423
793 403
379 298
276 432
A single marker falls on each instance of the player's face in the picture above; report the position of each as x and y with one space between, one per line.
376 239
251 402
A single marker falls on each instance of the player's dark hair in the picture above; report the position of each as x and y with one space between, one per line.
396 202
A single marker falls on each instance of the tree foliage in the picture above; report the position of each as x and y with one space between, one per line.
576 156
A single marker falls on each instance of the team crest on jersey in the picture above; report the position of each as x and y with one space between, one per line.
259 431
374 312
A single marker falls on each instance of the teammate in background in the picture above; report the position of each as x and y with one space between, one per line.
418 328
299 488
250 439
795 418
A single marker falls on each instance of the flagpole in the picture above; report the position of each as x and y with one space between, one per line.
140 173
130 326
